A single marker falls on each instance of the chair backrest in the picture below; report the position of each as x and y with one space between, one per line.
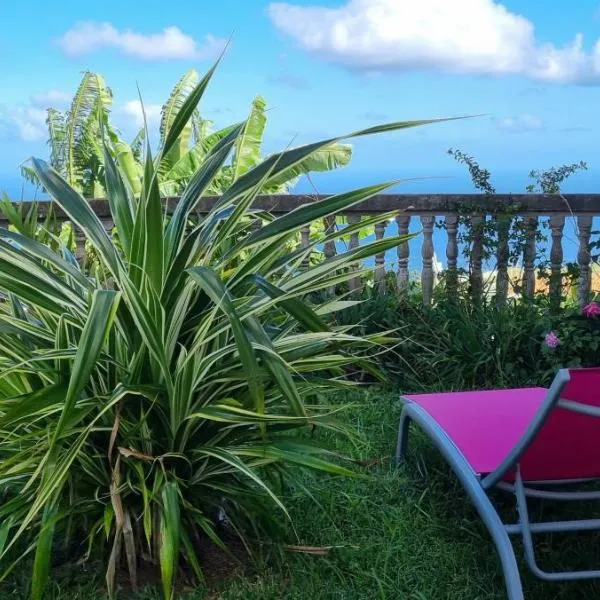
567 443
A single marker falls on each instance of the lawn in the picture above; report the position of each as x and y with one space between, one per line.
397 533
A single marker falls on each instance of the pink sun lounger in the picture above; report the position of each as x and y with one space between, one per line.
526 441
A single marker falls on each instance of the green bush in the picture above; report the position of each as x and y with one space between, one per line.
166 396
461 344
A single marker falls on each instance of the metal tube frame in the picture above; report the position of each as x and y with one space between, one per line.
477 489
526 529
472 485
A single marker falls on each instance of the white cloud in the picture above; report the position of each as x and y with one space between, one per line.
51 99
456 36
520 123
171 43
23 122
27 121
132 111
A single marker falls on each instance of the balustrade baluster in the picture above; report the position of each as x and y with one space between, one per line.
304 242
557 224
380 257
476 276
403 222
80 238
502 255
329 247
584 226
427 254
452 253
354 283
529 257
108 224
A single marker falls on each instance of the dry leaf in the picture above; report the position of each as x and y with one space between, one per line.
130 452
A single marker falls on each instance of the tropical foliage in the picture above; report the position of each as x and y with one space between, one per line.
76 151
171 391
458 344
74 136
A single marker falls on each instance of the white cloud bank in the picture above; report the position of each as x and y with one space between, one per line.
479 37
171 43
24 122
27 121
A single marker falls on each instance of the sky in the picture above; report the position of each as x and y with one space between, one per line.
529 68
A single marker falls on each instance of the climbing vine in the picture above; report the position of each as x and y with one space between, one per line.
502 232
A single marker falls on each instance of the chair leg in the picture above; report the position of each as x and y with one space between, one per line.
402 443
526 529
472 485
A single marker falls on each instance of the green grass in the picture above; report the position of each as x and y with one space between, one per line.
407 533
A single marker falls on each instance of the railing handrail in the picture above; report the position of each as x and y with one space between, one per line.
426 209
416 204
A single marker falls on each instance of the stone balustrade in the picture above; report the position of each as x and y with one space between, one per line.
447 210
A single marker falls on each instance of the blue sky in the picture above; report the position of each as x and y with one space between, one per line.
531 67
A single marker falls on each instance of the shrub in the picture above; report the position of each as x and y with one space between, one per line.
171 390
458 344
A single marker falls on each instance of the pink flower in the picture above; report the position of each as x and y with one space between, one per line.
551 339
591 310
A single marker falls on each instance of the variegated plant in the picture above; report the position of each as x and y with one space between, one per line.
176 383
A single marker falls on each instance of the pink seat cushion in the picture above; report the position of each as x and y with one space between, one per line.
484 425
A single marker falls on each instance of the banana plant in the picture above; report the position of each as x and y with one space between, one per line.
73 136
180 381
75 152
197 139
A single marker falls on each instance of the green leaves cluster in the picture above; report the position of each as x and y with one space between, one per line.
176 384
74 136
77 153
